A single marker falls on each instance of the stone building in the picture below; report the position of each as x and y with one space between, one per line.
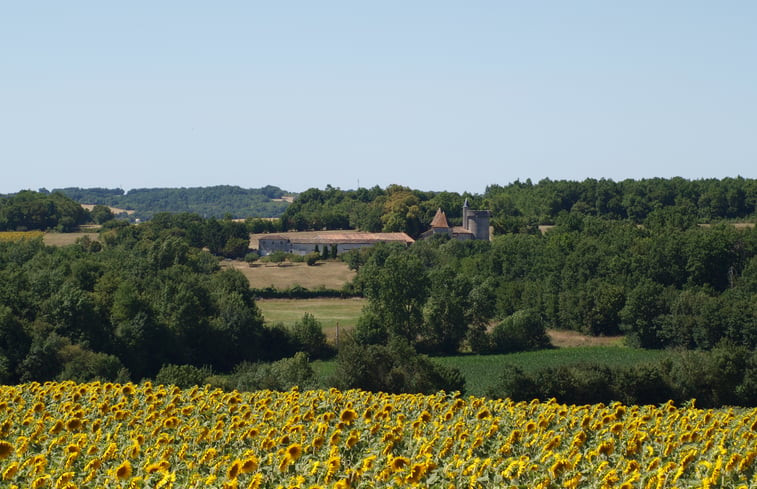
475 225
302 244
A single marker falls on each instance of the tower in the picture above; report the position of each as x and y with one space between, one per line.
477 222
465 214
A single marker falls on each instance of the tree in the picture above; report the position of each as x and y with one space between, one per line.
396 292
641 315
101 214
445 320
310 338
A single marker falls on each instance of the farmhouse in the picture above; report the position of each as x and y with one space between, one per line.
300 244
475 225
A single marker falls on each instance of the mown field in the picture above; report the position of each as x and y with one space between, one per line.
330 312
67 435
65 239
329 274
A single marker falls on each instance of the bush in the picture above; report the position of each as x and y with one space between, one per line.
82 365
394 368
515 384
251 257
183 376
522 331
280 375
275 257
312 258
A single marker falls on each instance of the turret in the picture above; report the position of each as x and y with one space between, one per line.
465 214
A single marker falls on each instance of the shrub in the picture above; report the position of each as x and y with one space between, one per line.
275 257
394 368
312 258
522 331
183 376
280 375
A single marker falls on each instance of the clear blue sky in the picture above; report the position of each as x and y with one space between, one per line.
434 95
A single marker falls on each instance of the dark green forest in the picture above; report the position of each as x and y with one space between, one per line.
217 201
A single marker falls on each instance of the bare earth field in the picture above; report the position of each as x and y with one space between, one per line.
330 312
330 275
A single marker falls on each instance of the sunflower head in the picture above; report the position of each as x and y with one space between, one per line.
123 471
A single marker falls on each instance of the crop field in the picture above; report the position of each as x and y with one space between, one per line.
66 435
482 371
330 312
19 235
329 275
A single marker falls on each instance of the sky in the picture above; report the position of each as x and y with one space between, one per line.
434 95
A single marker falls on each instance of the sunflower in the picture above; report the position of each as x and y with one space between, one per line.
234 470
348 416
293 452
10 471
249 464
74 424
41 481
6 449
123 471
399 463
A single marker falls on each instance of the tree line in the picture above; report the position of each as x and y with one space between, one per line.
123 307
522 206
217 201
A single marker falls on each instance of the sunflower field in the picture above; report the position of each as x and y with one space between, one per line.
105 435
19 235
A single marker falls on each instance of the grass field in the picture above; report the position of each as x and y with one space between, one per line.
330 274
482 371
329 312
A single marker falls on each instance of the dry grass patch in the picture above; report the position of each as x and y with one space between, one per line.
329 275
114 210
572 339
330 312
65 239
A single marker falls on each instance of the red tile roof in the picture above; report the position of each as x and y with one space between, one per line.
440 219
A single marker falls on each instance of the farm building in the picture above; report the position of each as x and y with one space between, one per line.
475 225
302 244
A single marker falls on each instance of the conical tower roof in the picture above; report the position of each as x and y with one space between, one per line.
440 219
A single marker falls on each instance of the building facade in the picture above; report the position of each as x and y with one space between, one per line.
299 244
